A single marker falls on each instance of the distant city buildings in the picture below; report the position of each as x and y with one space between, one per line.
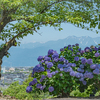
3 70
12 69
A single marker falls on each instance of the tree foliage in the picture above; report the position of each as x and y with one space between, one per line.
30 15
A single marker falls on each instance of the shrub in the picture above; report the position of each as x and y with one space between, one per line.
60 74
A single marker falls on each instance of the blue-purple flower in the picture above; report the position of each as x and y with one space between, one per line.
51 89
60 66
84 82
50 52
56 71
83 60
55 59
81 66
73 65
76 44
69 45
43 76
61 74
68 69
96 49
49 75
78 75
55 55
49 64
96 71
42 87
81 79
65 61
40 58
93 66
89 61
28 89
38 85
97 54
82 51
77 53
80 70
47 58
62 49
72 73
61 69
79 49
87 49
76 58
61 59
53 73
88 75
33 82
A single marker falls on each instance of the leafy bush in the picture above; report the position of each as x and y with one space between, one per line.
19 92
60 74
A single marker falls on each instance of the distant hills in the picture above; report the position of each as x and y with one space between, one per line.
27 54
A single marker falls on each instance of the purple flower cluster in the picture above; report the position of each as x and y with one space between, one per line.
96 71
38 69
97 54
49 75
28 89
93 66
40 58
88 75
64 66
83 60
42 78
39 86
55 55
33 82
62 59
89 61
49 64
76 58
51 89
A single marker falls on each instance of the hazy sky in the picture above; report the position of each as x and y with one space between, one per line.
49 33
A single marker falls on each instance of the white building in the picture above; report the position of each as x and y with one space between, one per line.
2 69
12 69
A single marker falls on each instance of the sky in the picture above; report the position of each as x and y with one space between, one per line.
49 33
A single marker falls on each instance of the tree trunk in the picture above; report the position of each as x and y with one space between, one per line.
0 70
4 52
